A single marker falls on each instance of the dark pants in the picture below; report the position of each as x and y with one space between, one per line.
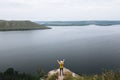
61 71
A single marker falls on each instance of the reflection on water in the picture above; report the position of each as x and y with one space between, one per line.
88 49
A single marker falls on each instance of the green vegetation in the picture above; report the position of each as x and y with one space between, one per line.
11 74
20 25
109 75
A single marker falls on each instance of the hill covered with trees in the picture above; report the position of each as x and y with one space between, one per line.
20 25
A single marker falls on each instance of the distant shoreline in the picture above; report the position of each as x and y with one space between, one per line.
78 23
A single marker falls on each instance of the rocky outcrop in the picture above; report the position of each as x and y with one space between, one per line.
55 75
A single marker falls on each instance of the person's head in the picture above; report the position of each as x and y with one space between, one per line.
61 61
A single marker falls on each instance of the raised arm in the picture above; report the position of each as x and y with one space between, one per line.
58 61
63 60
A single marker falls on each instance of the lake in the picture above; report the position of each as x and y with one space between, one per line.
86 49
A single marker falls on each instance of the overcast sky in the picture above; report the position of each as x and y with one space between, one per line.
39 10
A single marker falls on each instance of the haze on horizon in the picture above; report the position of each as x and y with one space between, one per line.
45 10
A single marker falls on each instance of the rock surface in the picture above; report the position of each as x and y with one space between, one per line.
55 75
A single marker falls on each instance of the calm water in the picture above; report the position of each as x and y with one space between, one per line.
88 49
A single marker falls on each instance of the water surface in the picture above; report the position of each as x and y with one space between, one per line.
88 49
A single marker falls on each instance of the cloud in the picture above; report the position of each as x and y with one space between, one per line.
59 9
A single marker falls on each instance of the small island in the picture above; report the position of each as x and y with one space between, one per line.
20 25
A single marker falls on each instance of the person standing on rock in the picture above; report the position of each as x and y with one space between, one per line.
61 66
